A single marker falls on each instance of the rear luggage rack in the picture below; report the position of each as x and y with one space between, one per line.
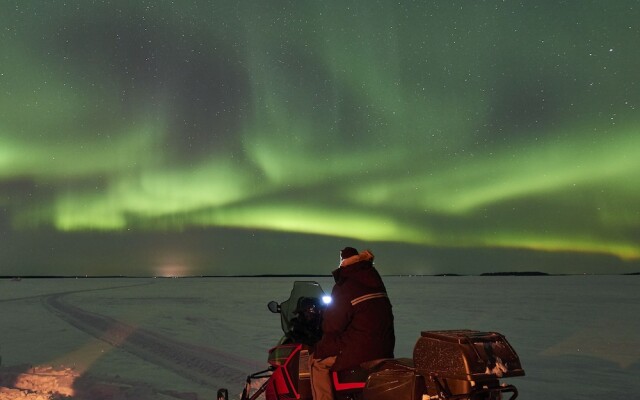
466 364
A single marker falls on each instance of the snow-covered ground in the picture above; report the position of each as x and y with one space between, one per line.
578 337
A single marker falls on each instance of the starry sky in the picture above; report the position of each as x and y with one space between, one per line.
259 137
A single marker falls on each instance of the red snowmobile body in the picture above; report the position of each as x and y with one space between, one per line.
446 365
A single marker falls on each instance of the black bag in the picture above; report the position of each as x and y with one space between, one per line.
394 381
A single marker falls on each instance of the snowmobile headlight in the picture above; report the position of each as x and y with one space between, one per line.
326 299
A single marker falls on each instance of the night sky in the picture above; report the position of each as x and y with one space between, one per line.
259 137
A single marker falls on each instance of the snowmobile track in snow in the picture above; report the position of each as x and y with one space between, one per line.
203 365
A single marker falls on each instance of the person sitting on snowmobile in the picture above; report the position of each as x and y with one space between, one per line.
358 324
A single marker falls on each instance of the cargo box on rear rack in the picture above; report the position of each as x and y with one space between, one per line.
462 361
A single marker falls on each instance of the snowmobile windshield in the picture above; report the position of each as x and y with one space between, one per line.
301 290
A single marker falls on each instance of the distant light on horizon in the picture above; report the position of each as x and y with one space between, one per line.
173 271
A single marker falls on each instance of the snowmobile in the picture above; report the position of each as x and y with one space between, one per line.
446 364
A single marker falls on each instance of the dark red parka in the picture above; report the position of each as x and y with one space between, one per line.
358 324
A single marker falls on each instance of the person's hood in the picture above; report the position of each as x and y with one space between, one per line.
359 268
365 255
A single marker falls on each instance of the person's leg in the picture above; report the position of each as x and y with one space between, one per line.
321 387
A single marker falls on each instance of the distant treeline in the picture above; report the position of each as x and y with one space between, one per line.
525 273
514 273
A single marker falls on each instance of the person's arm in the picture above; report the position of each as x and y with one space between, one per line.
335 321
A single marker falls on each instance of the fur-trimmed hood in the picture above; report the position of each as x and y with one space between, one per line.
359 268
365 255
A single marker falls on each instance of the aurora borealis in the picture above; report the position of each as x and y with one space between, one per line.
223 137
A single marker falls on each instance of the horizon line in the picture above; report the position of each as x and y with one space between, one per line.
489 274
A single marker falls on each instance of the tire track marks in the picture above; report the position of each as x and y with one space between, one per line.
203 365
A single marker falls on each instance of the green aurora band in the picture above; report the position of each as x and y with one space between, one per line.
446 124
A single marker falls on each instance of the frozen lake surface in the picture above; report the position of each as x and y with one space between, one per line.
577 336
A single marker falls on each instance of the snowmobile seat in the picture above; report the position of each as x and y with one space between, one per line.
349 379
355 378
